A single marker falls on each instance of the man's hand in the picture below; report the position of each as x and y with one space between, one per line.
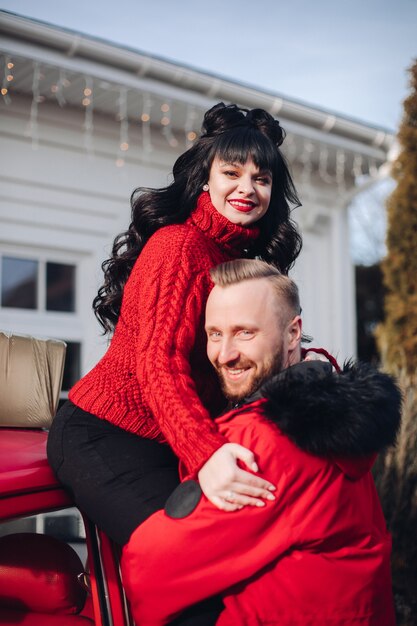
228 486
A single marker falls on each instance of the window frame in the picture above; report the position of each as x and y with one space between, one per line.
42 258
40 322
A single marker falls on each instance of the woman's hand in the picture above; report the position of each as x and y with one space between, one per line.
228 486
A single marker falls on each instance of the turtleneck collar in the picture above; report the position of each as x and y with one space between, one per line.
227 235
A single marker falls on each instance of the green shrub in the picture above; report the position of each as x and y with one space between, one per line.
396 472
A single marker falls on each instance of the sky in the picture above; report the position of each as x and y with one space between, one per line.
349 57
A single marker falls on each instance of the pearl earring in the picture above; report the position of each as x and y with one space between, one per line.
205 187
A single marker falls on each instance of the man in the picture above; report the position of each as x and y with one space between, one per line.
319 553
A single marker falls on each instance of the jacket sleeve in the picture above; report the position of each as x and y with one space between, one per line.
172 289
170 564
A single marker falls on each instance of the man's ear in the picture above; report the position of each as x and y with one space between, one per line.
294 332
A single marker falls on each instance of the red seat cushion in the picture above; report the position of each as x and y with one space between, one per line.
39 574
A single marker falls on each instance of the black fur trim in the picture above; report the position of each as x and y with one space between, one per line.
352 413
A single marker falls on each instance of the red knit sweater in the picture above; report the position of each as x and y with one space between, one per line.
155 379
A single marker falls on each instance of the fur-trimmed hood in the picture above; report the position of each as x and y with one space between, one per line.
347 416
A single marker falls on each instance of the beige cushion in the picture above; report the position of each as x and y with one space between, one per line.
31 373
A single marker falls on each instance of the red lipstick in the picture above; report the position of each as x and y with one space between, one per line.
244 206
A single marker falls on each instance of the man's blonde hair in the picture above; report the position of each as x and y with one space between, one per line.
239 270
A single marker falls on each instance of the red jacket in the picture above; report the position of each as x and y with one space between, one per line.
319 555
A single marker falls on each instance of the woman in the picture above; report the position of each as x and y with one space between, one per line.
230 197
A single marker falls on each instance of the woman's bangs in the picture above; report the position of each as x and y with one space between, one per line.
240 144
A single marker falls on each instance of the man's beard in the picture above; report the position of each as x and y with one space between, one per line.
268 370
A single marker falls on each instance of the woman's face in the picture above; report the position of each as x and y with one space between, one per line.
240 192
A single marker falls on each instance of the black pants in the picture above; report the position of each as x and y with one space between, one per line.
115 477
118 480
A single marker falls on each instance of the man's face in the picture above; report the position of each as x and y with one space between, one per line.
249 335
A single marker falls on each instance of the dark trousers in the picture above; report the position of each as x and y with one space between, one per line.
115 477
118 480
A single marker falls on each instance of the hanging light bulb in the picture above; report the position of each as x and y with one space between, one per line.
33 129
190 134
124 128
146 126
87 102
7 79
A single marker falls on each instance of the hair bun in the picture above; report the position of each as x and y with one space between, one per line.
267 125
222 118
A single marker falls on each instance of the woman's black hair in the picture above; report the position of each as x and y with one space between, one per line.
233 134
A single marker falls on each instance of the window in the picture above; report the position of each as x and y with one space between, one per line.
60 287
19 283
33 290
40 285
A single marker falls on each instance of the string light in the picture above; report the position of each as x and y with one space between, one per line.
307 161
323 165
190 134
146 126
88 117
124 127
166 124
7 79
290 149
357 166
33 130
59 88
340 169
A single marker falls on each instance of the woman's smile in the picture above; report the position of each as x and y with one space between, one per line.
242 205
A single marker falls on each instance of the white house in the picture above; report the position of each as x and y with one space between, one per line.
83 122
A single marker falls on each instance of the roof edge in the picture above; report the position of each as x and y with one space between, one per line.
75 44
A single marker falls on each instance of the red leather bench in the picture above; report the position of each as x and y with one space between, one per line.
39 582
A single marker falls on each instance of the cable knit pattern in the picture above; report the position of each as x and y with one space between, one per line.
155 374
